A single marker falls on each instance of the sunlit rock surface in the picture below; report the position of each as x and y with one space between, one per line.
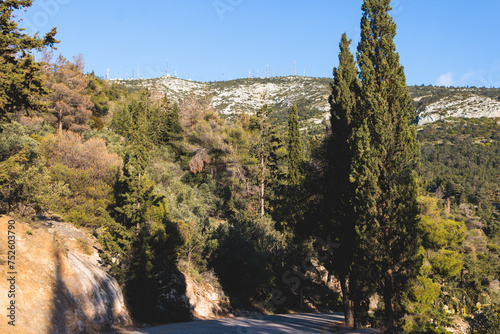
60 286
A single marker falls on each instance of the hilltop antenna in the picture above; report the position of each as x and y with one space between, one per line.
175 72
166 70
249 74
267 71
138 73
258 74
294 68
107 74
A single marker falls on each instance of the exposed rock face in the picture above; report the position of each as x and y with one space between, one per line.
172 304
206 301
460 105
310 94
59 288
99 297
246 95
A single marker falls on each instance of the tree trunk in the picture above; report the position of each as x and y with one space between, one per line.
389 303
346 301
357 313
59 123
262 187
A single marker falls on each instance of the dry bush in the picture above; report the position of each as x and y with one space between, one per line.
31 122
92 155
198 161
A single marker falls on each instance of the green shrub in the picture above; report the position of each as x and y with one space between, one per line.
35 187
493 248
487 322
446 263
13 138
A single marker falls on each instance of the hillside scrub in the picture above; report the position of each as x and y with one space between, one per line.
167 182
205 178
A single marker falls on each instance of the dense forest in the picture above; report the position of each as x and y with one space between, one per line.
252 203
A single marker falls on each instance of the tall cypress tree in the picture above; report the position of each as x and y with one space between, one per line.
341 221
391 232
296 154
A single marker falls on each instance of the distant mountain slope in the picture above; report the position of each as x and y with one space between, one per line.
249 95
460 106
311 96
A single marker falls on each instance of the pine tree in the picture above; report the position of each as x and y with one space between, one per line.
69 102
158 117
391 232
174 128
133 121
296 154
21 83
134 191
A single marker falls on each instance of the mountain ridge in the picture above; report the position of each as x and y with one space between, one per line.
310 94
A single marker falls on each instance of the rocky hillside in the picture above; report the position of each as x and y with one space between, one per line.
311 96
248 95
60 286
460 106
436 103
56 282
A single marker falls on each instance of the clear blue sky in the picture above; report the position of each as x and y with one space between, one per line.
449 42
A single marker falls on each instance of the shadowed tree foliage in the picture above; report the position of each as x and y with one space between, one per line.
134 190
487 322
296 154
21 81
344 121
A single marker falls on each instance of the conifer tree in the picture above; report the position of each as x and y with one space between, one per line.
342 221
296 154
174 128
386 163
68 102
157 118
134 191
21 83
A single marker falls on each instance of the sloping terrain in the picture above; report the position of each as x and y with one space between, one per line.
311 96
59 285
248 95
460 106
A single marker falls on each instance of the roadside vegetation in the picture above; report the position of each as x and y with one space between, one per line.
256 202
